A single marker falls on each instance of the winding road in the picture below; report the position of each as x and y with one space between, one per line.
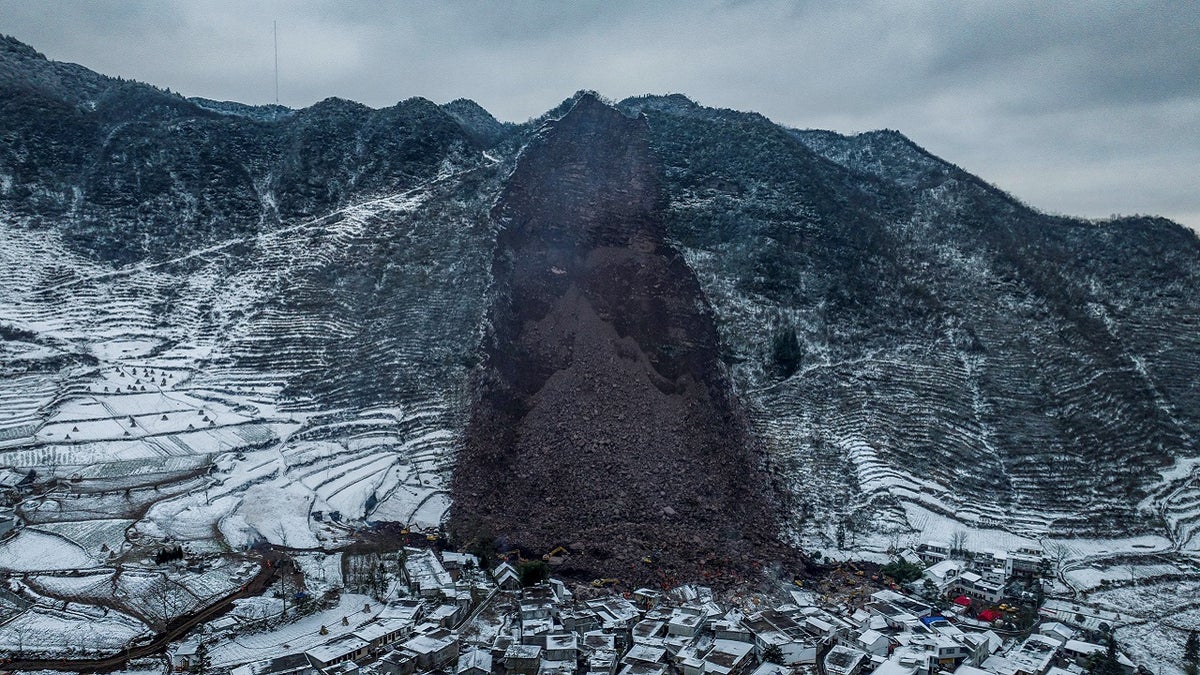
174 630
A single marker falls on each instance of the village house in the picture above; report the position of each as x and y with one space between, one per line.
454 562
506 577
686 622
645 654
842 660
292 664
384 632
183 656
340 650
1079 652
944 574
649 632
445 616
933 552
1033 657
562 647
1025 562
615 613
728 657
429 650
602 661
873 642
973 585
579 621
768 668
724 629
644 669
425 574
523 659
474 662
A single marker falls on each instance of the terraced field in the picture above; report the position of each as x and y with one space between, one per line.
287 387
961 361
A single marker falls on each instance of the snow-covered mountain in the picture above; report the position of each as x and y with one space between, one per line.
224 324
961 355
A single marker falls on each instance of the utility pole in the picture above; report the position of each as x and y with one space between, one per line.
275 28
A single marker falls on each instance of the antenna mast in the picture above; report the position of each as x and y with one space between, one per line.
275 27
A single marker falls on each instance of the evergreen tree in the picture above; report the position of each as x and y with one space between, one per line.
1191 648
534 572
1108 663
202 662
786 351
903 571
773 654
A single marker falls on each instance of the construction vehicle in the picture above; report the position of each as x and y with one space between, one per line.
509 554
604 583
555 552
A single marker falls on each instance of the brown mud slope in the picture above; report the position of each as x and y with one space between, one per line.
603 420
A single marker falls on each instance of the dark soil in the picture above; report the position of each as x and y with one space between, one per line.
603 419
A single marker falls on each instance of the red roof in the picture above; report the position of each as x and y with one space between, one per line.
989 615
962 600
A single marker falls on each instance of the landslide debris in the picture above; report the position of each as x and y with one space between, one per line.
603 418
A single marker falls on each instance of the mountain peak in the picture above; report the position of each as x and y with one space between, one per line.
485 129
11 45
590 105
660 102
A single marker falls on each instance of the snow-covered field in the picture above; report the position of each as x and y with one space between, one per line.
300 635
186 402
1159 615
76 630
33 551
149 382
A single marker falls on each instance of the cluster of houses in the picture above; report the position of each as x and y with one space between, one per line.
982 576
450 622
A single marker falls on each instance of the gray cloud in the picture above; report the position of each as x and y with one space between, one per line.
1082 108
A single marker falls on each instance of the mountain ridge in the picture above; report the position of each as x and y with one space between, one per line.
906 342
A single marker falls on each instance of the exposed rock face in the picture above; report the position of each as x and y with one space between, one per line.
603 414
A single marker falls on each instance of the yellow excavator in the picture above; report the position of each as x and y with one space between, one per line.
508 554
602 583
555 552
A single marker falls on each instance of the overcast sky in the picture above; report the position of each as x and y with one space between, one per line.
1084 108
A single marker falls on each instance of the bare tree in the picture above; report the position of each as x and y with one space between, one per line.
958 541
1058 553
284 592
20 631
366 573
165 599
